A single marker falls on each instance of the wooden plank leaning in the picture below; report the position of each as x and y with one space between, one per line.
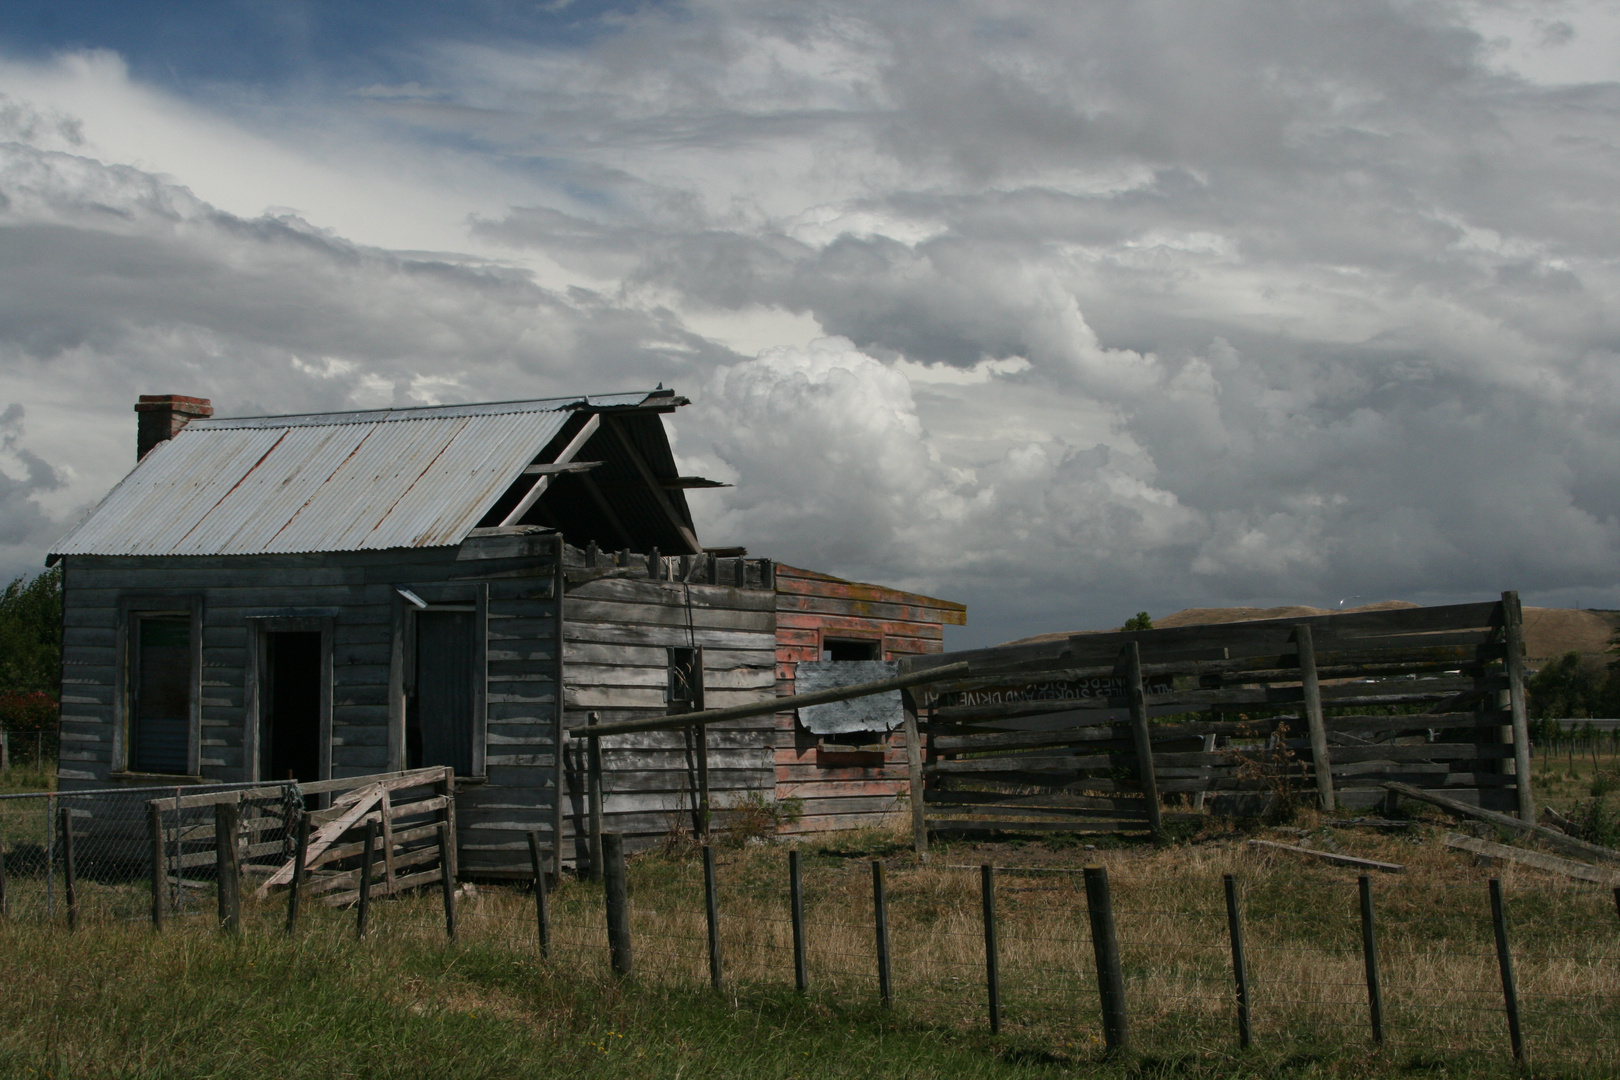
914 771
1551 837
1141 739
1321 764
1540 860
1333 857
362 802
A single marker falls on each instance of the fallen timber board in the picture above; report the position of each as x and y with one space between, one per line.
1045 813
1075 802
1333 857
1551 837
1567 867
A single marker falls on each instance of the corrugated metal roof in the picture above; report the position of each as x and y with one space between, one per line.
353 481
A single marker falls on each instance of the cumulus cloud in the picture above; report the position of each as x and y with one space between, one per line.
1094 308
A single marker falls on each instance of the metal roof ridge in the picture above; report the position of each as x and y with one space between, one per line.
396 414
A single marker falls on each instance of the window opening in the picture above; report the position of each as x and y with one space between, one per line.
439 713
291 732
161 739
685 693
837 649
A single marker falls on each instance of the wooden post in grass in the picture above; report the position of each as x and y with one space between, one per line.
593 797
1321 763
447 878
70 877
156 851
542 910
801 970
5 903
880 921
1616 899
1513 638
914 770
1240 966
1105 944
365 881
1141 739
227 866
300 857
617 894
992 953
1369 953
1504 962
711 912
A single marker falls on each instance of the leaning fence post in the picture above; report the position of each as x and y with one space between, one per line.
156 851
1369 953
1513 641
1105 943
711 911
880 919
542 910
617 895
1240 966
300 857
227 867
801 971
364 906
447 879
593 794
992 958
70 892
1504 961
1142 740
916 787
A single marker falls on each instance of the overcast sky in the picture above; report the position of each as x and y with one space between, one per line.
1063 310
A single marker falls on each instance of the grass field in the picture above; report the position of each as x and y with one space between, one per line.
115 999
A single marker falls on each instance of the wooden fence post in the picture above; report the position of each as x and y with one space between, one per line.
365 880
156 851
228 866
617 893
5 750
1369 953
300 856
5 903
992 953
447 878
711 911
1105 944
1141 739
1513 638
914 768
542 910
70 877
593 798
880 921
1240 966
1504 962
705 809
1321 764
801 970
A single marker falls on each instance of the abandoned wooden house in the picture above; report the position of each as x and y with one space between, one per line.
327 596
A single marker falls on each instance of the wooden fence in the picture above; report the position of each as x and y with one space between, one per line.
1058 736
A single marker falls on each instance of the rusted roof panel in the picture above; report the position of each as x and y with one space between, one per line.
333 482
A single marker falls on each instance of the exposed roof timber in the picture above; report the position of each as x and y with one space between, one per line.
575 445
657 489
672 483
561 467
593 489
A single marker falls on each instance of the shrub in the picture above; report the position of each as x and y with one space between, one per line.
32 710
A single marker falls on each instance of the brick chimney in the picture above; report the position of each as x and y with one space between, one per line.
163 415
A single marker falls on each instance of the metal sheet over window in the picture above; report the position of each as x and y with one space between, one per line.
878 712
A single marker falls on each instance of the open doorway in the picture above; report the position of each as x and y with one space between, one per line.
291 716
439 713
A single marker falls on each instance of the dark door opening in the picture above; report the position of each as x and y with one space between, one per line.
439 715
291 732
